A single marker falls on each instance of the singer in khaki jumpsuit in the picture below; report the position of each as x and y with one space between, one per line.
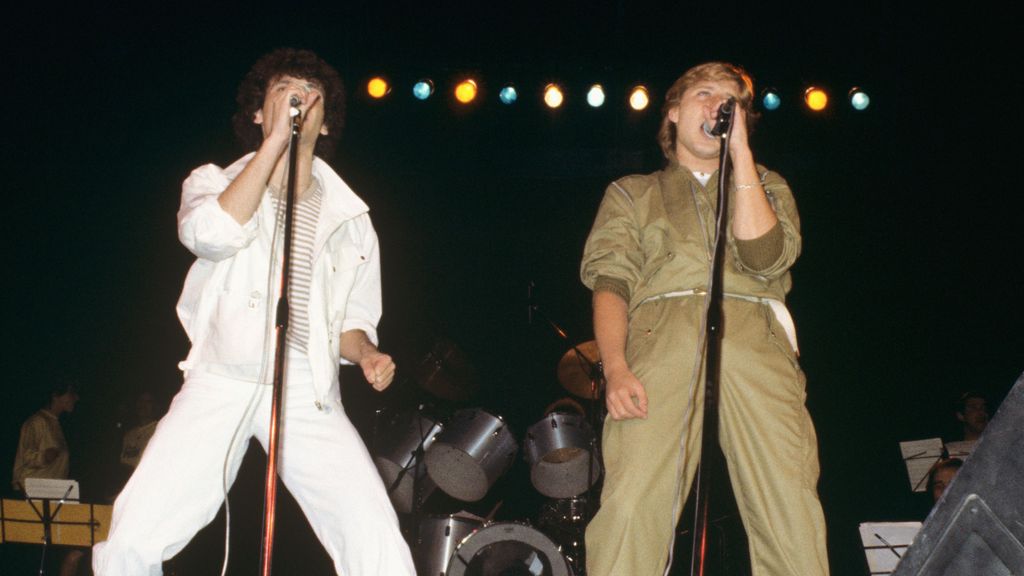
647 259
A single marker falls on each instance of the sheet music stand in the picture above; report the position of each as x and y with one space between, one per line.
53 520
885 543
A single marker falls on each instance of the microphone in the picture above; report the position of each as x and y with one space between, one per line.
724 120
294 103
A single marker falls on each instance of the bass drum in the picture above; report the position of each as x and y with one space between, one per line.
507 548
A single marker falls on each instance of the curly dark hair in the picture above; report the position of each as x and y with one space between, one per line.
299 64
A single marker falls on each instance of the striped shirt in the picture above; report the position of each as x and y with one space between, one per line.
307 213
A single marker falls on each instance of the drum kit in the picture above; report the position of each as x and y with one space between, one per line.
463 454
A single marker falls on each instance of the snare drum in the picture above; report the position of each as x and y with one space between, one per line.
507 548
470 454
396 448
438 538
558 450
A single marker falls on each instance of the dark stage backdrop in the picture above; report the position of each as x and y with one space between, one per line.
907 291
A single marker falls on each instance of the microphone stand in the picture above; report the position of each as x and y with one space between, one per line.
280 354
713 362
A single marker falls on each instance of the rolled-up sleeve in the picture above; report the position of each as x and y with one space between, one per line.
203 226
772 254
363 308
613 256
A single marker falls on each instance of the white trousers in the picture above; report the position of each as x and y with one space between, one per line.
177 487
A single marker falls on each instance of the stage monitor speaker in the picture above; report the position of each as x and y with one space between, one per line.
977 527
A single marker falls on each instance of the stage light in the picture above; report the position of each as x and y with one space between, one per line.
595 96
770 99
859 99
423 89
638 98
553 96
508 94
378 87
465 91
816 99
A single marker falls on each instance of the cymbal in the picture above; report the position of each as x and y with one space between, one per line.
446 372
574 372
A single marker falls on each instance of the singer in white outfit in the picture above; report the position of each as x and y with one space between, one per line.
231 220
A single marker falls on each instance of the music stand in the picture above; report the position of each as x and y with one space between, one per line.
54 518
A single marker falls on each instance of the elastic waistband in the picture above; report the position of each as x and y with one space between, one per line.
778 308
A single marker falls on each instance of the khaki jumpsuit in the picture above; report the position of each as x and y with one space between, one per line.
651 245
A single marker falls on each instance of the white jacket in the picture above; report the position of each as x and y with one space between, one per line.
224 304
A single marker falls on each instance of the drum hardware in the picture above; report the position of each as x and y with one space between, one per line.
470 454
399 455
565 520
582 363
577 370
581 372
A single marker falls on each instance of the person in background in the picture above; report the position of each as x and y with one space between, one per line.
972 413
135 439
43 452
941 476
42 449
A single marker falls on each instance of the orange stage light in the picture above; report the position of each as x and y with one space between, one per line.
638 98
553 96
816 99
377 87
465 91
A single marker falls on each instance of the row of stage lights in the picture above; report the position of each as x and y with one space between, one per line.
465 92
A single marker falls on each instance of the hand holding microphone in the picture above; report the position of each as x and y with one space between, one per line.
723 120
295 100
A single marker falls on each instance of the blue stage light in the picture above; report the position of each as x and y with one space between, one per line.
859 99
508 94
770 99
423 89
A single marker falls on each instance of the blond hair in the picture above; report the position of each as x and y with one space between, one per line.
709 71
